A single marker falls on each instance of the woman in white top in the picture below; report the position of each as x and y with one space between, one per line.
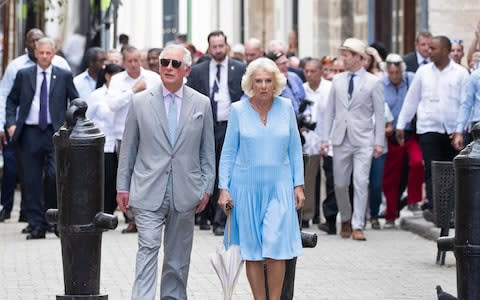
99 112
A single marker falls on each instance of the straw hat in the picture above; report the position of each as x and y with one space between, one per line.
354 45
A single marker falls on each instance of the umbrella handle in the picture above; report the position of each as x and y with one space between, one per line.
229 221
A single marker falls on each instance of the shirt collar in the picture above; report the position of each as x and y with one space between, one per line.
420 58
359 72
224 63
47 70
178 94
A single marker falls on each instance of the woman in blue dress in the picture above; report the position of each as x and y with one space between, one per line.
261 178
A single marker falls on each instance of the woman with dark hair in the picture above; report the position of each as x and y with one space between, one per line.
102 116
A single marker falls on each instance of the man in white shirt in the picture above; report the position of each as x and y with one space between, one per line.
86 82
317 90
123 87
435 96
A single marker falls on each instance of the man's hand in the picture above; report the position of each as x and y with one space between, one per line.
139 86
3 139
388 129
201 206
324 149
11 130
377 151
400 134
299 197
457 141
122 201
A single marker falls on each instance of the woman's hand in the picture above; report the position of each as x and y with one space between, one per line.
225 201
299 197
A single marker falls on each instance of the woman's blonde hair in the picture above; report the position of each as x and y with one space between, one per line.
268 66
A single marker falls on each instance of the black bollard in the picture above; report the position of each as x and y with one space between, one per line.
466 243
81 221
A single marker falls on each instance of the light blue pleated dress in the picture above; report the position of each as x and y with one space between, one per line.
260 165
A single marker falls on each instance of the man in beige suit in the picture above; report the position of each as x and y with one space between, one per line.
355 115
166 173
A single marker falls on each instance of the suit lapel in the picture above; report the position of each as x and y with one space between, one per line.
33 79
206 78
156 102
185 111
53 81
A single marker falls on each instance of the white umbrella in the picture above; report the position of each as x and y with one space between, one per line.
227 263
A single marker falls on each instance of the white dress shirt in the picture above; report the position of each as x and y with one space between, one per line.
222 97
436 97
319 97
121 86
101 115
84 84
33 114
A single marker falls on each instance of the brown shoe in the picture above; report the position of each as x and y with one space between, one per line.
131 228
346 230
358 235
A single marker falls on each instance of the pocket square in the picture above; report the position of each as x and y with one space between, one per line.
197 115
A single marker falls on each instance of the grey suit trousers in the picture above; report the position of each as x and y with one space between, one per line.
348 158
178 237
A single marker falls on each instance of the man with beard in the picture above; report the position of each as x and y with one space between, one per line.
9 158
220 80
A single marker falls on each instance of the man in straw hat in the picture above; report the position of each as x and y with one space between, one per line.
356 97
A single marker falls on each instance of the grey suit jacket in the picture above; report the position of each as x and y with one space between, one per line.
356 116
147 157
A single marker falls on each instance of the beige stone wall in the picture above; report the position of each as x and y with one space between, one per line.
454 19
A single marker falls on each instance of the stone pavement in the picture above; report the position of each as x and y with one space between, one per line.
392 264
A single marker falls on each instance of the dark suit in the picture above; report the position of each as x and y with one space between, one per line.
199 80
36 146
411 62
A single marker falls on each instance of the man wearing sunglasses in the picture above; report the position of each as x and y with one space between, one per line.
220 80
166 174
395 87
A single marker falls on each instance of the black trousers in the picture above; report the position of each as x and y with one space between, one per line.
435 147
110 188
329 205
38 156
213 211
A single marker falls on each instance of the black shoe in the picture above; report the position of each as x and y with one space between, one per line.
329 228
219 230
428 215
36 234
22 218
305 224
27 229
4 215
316 220
204 227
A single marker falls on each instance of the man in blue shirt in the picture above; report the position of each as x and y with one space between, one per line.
395 87
469 112
294 88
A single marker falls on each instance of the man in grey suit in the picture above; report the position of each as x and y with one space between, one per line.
166 173
356 119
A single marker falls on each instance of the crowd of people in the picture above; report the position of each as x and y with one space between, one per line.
223 146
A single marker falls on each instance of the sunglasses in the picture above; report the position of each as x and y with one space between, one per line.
175 63
457 41
395 63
